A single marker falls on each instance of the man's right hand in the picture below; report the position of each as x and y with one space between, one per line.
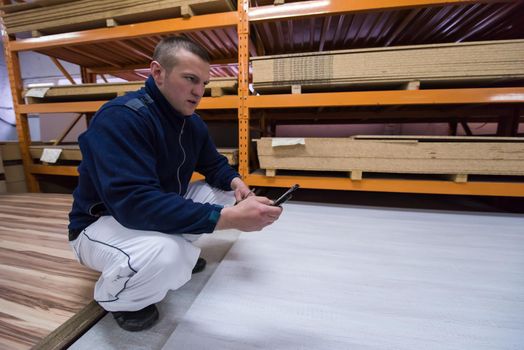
251 214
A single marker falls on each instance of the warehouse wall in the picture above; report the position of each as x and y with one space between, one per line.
7 116
36 69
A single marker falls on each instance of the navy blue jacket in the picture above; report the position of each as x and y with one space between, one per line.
138 155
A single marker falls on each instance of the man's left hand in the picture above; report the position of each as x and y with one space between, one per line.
242 191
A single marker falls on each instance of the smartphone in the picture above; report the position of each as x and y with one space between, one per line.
286 196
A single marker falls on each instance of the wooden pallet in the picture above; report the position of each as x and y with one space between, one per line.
456 157
51 17
81 92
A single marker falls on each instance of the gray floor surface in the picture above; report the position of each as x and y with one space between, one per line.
348 277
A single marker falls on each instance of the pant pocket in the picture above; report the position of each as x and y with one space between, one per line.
113 281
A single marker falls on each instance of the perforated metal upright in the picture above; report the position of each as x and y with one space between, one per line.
243 87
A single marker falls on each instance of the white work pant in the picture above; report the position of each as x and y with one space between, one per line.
139 267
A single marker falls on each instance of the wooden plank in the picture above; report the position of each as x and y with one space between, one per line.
35 248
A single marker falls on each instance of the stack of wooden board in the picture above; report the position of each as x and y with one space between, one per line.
62 16
475 61
12 178
72 153
216 87
458 156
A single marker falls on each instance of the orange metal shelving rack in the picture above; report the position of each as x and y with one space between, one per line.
244 102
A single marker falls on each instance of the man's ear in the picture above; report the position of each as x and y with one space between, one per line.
157 72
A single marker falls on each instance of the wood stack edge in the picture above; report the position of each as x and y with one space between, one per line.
57 16
71 153
217 87
467 62
454 156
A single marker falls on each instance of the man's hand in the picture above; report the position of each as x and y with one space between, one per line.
251 214
241 189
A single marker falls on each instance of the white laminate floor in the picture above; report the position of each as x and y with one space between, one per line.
340 277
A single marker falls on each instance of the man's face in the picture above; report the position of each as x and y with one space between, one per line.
184 85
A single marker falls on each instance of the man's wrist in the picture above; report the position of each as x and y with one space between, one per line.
224 221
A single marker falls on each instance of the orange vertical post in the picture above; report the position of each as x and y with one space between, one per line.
243 87
22 124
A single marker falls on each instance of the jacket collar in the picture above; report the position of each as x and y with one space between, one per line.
161 102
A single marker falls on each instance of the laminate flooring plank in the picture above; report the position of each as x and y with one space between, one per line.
339 277
41 284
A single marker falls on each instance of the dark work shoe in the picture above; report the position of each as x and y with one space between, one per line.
200 265
135 321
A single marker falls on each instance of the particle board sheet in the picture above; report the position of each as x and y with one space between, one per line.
42 285
339 277
447 155
475 61
72 152
94 13
81 92
69 152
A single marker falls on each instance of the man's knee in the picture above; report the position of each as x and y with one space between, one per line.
165 252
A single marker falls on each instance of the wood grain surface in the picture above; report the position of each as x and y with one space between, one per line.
41 284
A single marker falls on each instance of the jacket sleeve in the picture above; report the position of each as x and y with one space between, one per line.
119 147
213 165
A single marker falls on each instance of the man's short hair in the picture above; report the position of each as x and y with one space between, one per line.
166 50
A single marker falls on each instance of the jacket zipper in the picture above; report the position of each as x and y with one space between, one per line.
183 158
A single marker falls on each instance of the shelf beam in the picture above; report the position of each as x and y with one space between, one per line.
222 102
62 170
72 170
61 107
509 189
160 27
334 7
396 97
